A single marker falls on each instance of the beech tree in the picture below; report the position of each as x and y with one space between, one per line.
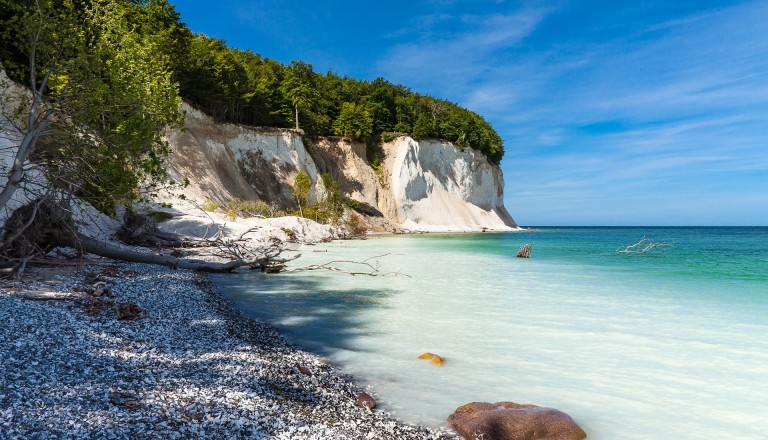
299 87
302 184
355 121
101 92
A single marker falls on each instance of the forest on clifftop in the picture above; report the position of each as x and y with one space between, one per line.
235 85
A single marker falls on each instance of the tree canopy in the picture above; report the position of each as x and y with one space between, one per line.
101 77
243 87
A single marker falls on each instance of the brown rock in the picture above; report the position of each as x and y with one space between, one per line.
512 421
130 311
123 398
437 360
305 371
365 400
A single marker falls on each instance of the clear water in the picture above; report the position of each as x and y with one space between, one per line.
668 345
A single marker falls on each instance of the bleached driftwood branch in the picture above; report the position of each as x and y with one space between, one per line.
373 267
641 247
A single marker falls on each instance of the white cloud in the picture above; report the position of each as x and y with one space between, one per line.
454 59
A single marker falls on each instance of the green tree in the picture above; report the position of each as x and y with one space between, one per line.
299 87
355 121
301 187
331 206
102 91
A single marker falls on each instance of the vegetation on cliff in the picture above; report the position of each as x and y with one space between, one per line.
230 84
101 92
243 87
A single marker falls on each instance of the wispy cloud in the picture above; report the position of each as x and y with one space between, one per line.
452 58
674 112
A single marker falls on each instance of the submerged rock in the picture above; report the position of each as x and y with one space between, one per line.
437 360
513 421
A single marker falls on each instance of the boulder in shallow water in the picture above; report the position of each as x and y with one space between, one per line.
513 421
437 360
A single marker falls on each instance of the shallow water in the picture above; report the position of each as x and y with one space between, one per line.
670 344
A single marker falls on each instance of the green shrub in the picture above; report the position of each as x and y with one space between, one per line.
210 206
356 225
246 208
389 136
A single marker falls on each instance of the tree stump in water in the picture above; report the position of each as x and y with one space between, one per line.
525 251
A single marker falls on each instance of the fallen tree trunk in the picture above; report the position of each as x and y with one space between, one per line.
52 226
643 246
102 249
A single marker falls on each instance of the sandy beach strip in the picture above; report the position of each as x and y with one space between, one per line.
190 367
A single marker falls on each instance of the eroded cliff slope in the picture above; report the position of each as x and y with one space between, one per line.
426 185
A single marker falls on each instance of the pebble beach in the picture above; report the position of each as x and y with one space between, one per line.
186 366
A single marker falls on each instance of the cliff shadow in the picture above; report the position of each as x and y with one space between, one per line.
312 316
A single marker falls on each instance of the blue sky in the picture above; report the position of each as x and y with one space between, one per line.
612 113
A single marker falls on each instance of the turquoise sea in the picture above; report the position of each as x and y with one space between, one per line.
671 344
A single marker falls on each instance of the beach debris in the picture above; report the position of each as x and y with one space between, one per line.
8 269
96 307
127 399
513 421
525 251
370 267
141 229
130 311
273 267
364 400
100 289
305 371
435 359
641 247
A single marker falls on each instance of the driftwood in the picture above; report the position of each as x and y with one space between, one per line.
370 268
49 298
525 251
142 230
52 226
100 248
8 269
641 247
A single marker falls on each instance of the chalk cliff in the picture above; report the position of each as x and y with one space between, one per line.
436 186
223 161
425 185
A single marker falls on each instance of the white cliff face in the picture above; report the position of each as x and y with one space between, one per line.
223 161
435 186
427 185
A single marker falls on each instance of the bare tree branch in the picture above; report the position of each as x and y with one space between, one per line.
641 247
373 268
